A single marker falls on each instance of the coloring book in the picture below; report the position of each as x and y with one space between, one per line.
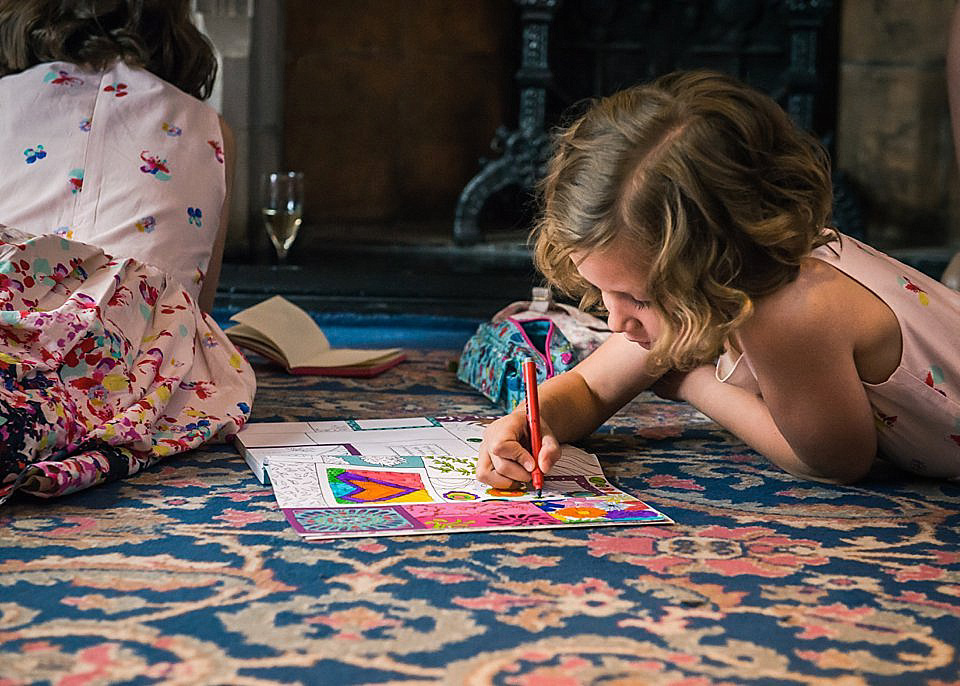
408 476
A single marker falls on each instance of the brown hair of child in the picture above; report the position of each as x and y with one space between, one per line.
718 194
158 35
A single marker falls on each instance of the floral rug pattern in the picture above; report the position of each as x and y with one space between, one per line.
186 573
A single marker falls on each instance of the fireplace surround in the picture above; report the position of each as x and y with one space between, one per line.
573 50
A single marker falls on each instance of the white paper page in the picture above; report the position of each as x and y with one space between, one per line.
420 440
301 482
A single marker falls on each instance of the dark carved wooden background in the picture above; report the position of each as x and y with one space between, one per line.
572 50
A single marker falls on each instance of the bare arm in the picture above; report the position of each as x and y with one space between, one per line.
748 417
209 290
572 405
812 417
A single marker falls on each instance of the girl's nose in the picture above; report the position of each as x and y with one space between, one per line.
616 320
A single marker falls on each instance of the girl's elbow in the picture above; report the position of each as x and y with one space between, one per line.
845 479
842 469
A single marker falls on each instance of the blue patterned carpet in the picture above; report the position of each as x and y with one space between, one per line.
187 573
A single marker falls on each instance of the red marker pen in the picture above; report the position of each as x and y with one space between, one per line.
533 421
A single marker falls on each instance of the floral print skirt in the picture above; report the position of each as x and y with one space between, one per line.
106 366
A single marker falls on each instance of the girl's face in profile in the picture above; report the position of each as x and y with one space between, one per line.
621 279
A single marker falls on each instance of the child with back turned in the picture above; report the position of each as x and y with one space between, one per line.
114 184
696 213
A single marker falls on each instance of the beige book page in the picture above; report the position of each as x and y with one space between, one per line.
292 331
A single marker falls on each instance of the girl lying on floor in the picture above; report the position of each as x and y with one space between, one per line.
696 212
114 204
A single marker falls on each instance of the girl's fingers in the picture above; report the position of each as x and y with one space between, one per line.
508 460
549 453
504 462
489 471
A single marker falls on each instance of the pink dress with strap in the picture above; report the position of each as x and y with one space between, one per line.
916 410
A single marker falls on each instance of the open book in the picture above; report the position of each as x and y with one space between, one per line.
284 333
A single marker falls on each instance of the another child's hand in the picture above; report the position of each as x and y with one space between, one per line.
504 461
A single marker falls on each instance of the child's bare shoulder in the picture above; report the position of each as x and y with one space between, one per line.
817 290
821 305
825 310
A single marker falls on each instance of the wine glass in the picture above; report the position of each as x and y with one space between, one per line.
282 209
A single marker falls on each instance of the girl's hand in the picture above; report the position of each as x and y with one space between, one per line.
504 461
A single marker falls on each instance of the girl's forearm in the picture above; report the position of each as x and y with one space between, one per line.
570 408
747 416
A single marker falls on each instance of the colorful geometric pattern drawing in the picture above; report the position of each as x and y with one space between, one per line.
584 510
349 520
357 486
491 515
468 515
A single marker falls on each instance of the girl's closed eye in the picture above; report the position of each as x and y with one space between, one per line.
640 304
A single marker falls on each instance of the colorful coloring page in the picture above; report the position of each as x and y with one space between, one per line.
416 476
346 480
447 518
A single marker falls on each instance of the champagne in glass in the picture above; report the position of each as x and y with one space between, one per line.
282 209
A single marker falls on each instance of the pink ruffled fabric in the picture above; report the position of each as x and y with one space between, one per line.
106 366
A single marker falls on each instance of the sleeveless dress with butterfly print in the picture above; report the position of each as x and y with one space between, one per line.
916 410
111 187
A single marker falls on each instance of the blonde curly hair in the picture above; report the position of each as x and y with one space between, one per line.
708 180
